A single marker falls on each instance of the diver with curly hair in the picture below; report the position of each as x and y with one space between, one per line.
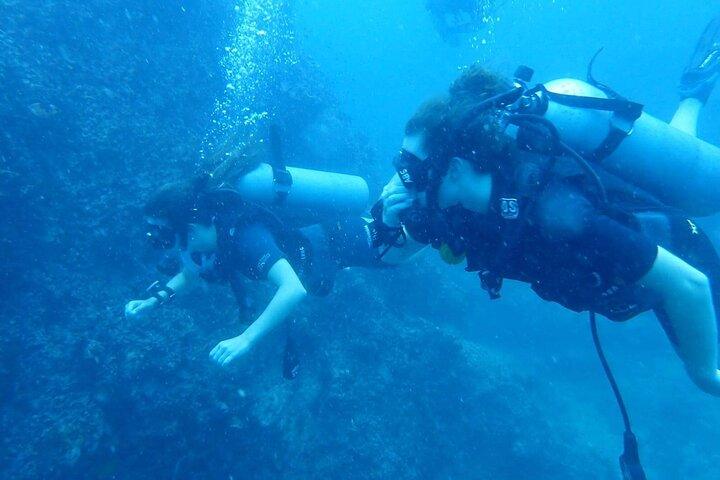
485 179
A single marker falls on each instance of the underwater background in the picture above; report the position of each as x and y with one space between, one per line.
406 374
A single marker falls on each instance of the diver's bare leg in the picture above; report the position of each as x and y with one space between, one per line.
686 116
698 79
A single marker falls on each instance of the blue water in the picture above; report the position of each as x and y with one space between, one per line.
407 374
384 59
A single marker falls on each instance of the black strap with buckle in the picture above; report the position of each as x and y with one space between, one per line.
622 122
282 181
155 290
282 178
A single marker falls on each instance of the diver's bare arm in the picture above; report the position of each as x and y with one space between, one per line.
289 294
687 301
180 283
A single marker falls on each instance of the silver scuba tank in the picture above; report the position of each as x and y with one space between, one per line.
679 169
305 196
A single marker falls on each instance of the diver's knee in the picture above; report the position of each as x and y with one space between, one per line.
686 116
707 380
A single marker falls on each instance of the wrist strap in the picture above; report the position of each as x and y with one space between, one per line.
381 234
156 290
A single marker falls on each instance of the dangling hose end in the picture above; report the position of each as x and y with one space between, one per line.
630 459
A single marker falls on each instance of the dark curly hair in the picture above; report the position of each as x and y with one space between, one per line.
478 82
453 126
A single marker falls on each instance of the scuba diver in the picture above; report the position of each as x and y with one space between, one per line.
574 190
453 18
222 236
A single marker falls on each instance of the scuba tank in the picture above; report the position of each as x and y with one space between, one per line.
297 195
679 169
304 196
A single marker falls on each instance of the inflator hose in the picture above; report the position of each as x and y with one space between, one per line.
630 459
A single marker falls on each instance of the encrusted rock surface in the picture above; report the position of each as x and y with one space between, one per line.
102 101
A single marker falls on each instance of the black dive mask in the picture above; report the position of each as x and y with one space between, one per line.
412 170
420 176
160 237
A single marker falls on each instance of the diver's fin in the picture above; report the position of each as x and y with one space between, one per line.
702 72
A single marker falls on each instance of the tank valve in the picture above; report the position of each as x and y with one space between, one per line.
524 73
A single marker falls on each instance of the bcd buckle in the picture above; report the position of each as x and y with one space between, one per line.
282 180
491 283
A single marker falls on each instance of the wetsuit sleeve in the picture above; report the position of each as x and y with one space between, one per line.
255 251
616 250
350 243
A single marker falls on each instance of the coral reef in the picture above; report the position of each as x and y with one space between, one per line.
102 102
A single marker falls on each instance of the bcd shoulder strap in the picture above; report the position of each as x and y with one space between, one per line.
622 122
282 178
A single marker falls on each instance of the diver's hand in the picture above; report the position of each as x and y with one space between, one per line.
230 350
396 198
137 308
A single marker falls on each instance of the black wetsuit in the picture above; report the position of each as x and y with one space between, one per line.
576 253
250 248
